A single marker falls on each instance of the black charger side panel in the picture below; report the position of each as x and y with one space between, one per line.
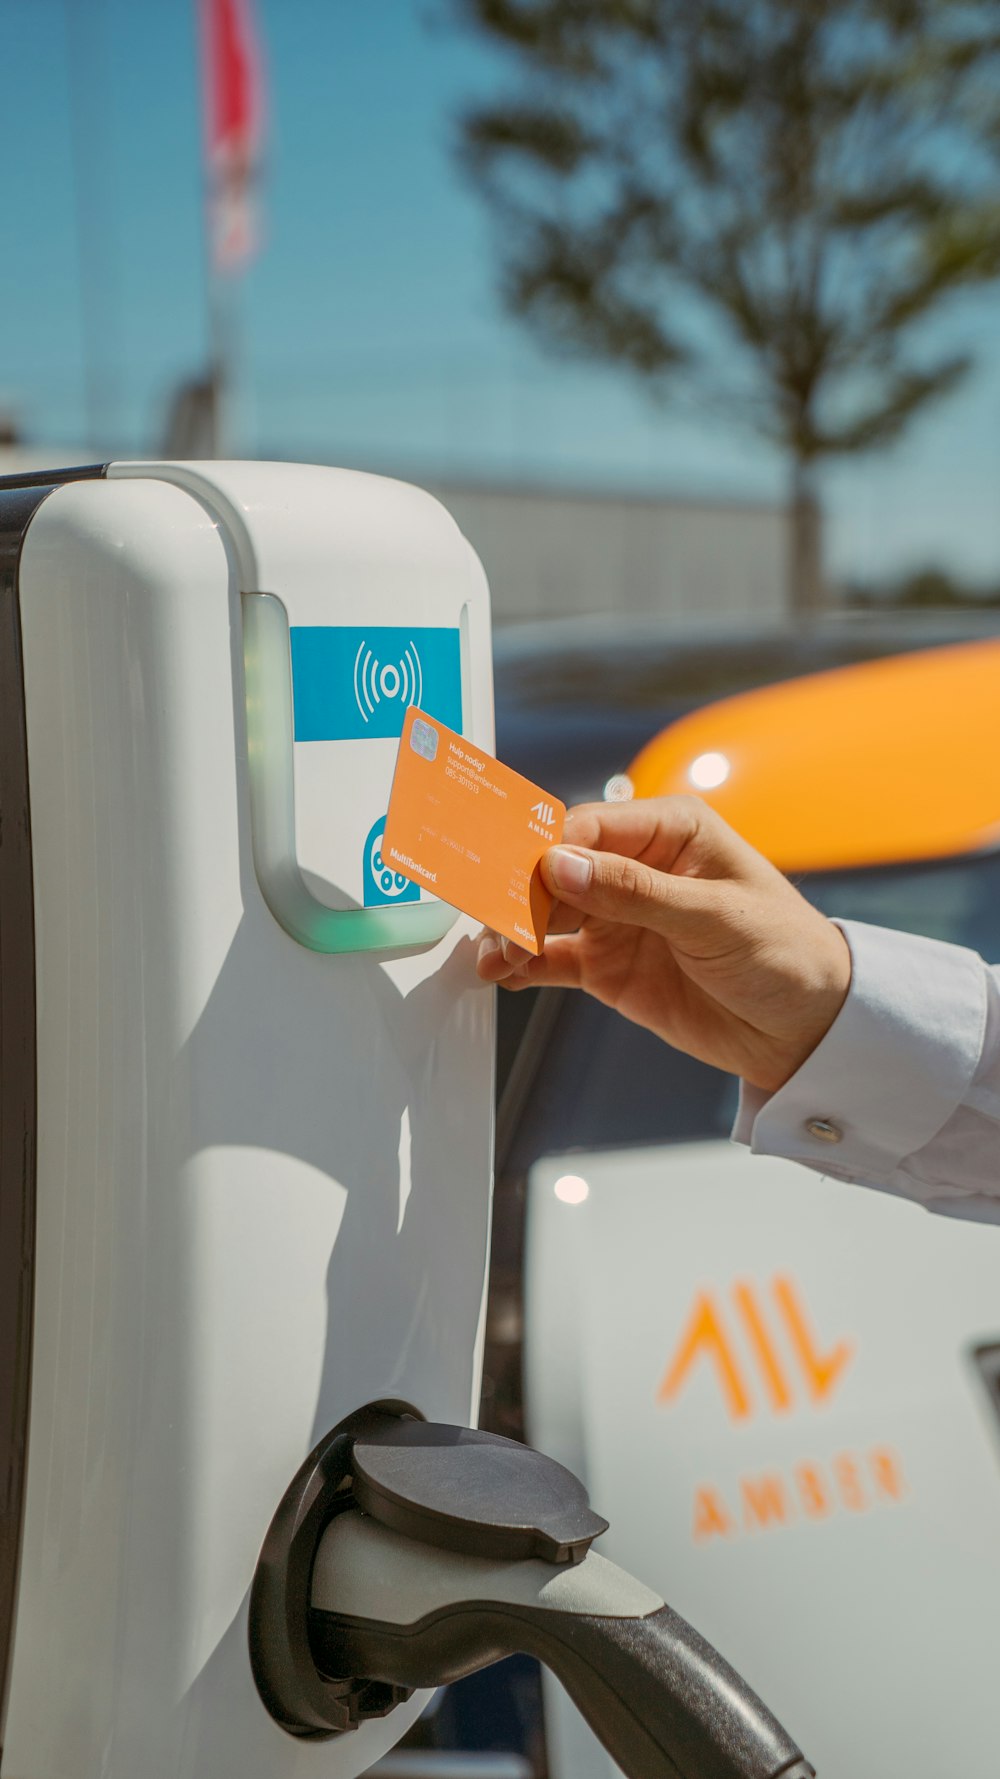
20 498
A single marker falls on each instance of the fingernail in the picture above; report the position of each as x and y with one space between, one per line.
488 944
571 871
515 954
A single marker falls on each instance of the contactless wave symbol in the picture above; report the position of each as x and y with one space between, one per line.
374 681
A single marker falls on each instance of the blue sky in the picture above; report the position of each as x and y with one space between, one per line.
369 328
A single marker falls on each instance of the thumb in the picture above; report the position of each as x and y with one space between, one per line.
609 887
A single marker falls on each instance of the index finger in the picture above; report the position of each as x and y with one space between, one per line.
658 831
655 829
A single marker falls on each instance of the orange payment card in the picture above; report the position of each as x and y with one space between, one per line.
469 829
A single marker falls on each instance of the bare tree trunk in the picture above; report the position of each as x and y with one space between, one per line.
805 591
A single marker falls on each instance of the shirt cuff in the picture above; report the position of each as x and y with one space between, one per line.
896 1063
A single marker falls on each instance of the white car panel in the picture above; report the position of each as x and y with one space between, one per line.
767 1382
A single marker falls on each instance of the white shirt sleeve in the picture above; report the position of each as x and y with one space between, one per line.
903 1093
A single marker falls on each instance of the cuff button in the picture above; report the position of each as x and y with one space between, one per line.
823 1130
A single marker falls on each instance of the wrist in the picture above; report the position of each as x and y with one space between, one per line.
817 1002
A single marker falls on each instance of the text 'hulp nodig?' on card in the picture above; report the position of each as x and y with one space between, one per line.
469 829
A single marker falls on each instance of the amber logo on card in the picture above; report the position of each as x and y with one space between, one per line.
546 816
466 827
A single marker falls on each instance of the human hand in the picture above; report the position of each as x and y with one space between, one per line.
665 914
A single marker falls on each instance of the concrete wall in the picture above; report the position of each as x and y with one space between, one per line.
550 554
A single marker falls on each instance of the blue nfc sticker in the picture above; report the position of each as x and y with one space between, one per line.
357 684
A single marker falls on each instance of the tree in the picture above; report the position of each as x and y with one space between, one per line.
761 201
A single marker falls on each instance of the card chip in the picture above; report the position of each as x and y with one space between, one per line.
466 828
424 739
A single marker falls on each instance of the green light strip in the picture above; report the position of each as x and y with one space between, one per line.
268 672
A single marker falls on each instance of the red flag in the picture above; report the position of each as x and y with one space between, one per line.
234 127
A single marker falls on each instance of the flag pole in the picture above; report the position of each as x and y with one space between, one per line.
233 105
222 356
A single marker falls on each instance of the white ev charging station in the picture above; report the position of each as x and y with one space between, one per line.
245 1166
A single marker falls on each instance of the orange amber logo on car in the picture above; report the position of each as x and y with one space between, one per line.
852 1482
762 1348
